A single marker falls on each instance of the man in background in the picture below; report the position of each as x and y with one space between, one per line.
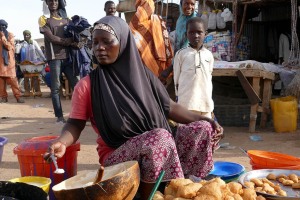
8 64
56 51
110 8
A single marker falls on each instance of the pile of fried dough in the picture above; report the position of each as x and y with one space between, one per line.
215 189
265 185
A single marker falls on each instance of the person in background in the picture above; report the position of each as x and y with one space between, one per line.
151 36
187 11
193 67
43 49
8 64
110 8
129 108
171 30
56 47
31 51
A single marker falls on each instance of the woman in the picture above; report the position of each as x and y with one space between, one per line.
128 107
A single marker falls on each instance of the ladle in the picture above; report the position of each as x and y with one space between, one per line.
58 170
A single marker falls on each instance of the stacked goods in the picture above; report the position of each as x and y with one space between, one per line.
215 189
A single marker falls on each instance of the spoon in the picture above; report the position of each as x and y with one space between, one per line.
245 152
58 170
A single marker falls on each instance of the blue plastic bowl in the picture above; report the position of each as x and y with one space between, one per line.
227 170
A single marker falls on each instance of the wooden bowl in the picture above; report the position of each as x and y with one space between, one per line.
120 181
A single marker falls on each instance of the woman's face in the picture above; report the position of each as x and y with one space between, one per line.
106 47
188 7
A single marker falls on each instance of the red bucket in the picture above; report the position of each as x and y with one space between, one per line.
30 156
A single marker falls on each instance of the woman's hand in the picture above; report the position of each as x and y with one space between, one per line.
219 134
58 149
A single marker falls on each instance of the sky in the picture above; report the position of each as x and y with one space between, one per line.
24 14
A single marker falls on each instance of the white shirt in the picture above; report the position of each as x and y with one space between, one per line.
193 75
284 47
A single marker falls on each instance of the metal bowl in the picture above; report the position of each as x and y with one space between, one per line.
31 68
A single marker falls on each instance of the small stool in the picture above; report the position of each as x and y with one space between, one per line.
32 88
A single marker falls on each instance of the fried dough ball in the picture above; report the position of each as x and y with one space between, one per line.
211 189
205 197
282 176
257 182
170 190
235 187
175 183
287 182
188 191
158 196
277 187
260 198
169 197
249 194
265 180
281 179
282 193
268 189
271 176
294 178
233 197
296 185
249 184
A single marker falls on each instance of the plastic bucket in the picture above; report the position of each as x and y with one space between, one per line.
285 113
30 156
3 141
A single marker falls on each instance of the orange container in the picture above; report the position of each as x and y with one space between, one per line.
30 156
272 159
258 166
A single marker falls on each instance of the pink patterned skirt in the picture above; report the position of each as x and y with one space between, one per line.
189 153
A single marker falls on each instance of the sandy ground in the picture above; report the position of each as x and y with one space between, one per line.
35 118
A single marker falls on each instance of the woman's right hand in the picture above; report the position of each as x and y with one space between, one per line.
58 149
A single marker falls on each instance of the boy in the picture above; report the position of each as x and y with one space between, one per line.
193 66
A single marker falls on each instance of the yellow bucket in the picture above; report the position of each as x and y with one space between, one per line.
285 113
38 181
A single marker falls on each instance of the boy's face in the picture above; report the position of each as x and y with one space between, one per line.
110 9
188 7
196 34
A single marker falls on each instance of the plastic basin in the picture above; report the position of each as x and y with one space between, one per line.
272 160
38 181
3 141
227 170
259 166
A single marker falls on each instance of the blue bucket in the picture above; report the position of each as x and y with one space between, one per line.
3 141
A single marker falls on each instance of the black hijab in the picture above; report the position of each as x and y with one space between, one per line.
127 98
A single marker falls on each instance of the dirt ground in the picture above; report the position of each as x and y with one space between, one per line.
35 118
